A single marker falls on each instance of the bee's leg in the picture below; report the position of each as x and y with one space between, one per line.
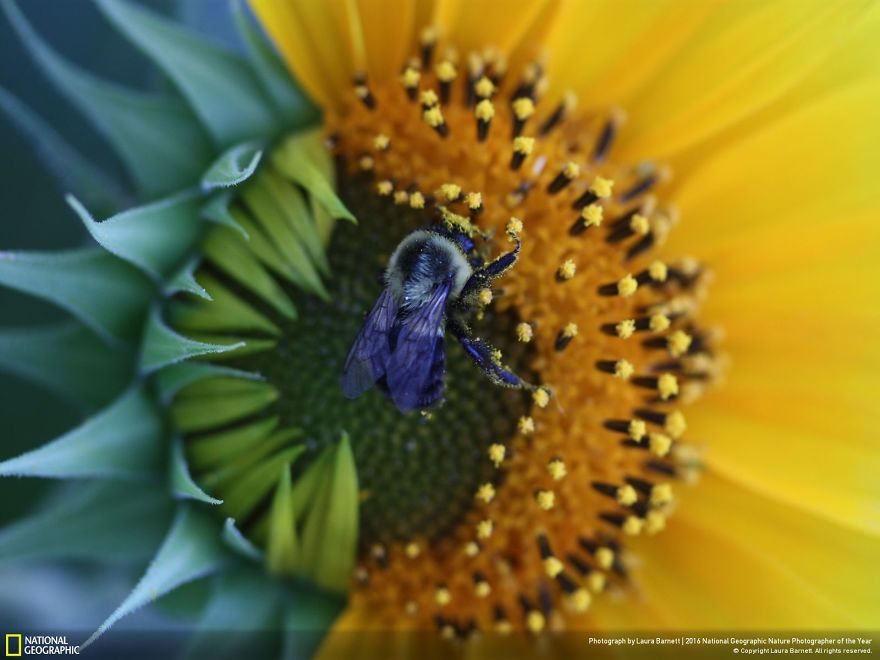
500 265
486 357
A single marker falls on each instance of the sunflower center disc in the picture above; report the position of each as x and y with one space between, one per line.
417 474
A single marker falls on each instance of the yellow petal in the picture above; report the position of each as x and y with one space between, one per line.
786 219
312 42
744 56
729 555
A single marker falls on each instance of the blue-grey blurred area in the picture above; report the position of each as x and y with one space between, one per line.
34 216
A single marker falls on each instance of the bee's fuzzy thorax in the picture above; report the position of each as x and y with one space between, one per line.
420 262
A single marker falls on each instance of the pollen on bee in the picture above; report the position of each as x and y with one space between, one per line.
546 499
486 492
514 226
556 468
484 529
524 332
496 453
541 397
384 188
567 270
625 328
526 425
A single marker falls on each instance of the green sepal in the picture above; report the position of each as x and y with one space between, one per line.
216 210
156 237
224 312
162 346
68 359
100 522
239 543
191 550
69 168
214 402
282 548
219 85
158 138
182 484
227 446
329 537
170 380
123 441
103 292
184 281
231 254
295 160
236 165
271 217
290 102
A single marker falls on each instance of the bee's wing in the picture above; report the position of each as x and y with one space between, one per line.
414 362
368 357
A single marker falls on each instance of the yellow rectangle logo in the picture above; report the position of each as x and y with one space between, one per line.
13 645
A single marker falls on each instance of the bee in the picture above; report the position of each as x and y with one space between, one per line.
432 285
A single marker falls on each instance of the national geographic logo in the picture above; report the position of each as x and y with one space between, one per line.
18 645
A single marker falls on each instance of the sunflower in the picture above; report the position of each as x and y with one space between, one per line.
686 189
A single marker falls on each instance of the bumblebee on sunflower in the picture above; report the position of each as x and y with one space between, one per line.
559 208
